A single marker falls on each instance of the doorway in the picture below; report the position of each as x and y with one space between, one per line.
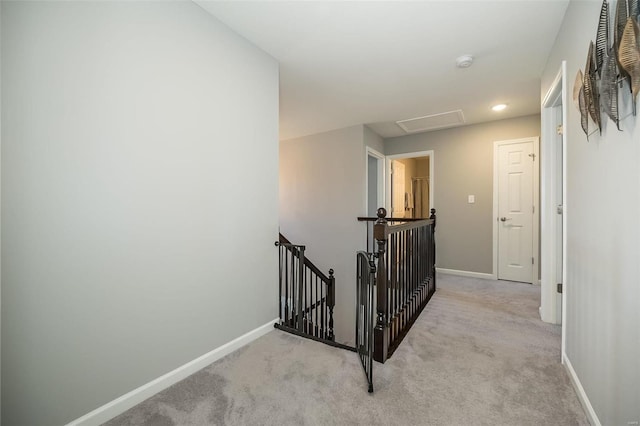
515 207
554 209
410 184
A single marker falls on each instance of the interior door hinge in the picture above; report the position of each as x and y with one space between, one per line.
559 287
559 129
532 260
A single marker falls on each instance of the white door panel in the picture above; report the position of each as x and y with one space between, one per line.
515 209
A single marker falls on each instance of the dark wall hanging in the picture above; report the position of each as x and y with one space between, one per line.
591 95
578 98
607 68
613 60
609 87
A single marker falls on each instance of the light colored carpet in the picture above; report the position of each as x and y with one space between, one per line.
478 355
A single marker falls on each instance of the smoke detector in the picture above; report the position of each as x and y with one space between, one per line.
464 61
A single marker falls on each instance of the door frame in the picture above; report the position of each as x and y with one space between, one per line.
370 152
555 96
415 154
536 202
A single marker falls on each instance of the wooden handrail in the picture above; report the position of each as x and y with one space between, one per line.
309 264
392 229
391 219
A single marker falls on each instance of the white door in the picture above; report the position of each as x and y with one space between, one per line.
515 211
559 209
397 189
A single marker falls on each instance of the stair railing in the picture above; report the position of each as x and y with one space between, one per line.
405 278
306 295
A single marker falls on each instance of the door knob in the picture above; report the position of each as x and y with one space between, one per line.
504 219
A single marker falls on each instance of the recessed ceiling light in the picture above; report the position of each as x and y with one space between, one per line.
499 107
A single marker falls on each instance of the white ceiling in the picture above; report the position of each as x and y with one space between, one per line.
346 63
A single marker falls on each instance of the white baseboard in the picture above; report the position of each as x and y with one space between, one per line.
136 396
582 395
466 274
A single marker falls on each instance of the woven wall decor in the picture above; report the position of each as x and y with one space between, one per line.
633 7
591 95
609 87
629 56
607 64
578 99
602 36
613 62
618 28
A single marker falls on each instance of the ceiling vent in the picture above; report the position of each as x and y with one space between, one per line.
432 122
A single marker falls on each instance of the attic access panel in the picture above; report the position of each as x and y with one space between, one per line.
432 122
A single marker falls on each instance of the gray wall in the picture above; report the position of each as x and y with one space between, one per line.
603 236
464 166
373 140
372 186
121 234
322 191
376 142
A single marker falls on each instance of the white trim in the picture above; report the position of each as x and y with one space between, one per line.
582 395
565 131
556 96
536 207
136 396
381 178
416 154
469 274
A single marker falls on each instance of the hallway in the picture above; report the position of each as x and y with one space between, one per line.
478 355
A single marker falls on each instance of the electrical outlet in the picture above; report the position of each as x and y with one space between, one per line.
472 199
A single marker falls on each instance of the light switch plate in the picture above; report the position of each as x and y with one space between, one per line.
472 199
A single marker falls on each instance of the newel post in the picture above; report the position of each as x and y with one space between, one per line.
381 330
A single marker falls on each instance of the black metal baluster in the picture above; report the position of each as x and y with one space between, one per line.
409 314
407 269
286 283
309 286
323 317
300 286
331 293
401 282
393 287
416 274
